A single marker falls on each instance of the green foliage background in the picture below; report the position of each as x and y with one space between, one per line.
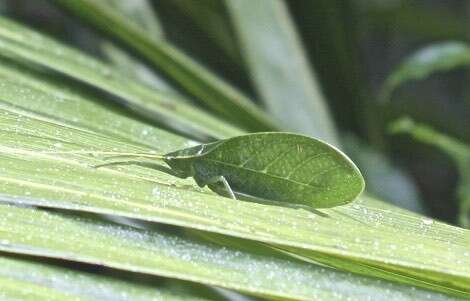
137 76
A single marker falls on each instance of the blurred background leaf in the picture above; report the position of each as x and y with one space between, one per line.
458 151
140 12
437 57
213 92
275 59
384 179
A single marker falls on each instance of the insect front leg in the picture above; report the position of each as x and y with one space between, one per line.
212 183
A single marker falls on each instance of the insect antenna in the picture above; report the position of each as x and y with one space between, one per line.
108 154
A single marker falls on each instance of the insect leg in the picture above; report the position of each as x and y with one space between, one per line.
227 187
218 184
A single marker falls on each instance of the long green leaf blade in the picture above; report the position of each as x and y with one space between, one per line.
12 290
131 67
22 279
18 42
49 96
363 233
274 55
194 78
140 11
367 237
34 232
210 16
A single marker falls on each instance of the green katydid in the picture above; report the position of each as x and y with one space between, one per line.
280 167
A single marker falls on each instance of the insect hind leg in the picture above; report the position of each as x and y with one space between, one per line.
214 184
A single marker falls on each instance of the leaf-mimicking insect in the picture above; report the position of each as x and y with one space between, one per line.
281 167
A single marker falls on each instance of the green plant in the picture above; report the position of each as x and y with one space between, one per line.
54 98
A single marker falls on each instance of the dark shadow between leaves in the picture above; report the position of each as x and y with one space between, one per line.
249 198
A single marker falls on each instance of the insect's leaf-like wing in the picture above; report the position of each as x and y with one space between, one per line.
281 167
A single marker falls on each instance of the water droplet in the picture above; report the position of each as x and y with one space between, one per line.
156 191
427 221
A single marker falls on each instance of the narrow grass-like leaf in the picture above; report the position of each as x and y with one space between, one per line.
33 232
20 43
330 35
50 97
30 292
438 57
281 167
22 279
364 233
458 151
216 94
274 55
140 12
131 67
368 237
67 181
210 16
